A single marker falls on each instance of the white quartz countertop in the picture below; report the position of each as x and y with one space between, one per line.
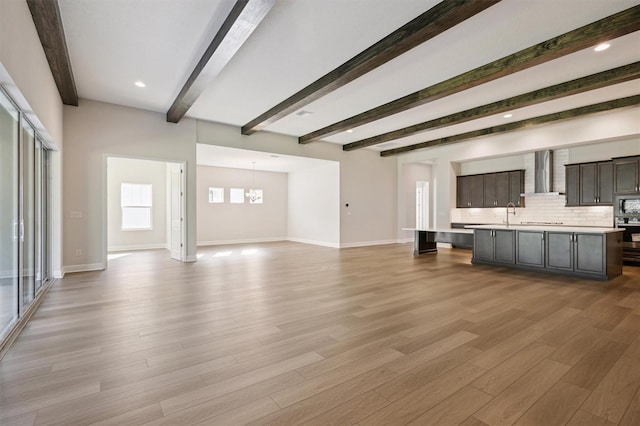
550 228
456 230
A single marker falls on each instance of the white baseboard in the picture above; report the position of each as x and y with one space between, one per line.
369 243
404 240
444 245
314 242
58 274
82 268
138 247
191 259
245 241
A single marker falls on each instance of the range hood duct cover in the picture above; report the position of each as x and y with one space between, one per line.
543 172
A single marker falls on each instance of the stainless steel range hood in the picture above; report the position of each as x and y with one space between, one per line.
543 174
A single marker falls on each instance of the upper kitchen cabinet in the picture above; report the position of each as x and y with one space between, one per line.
596 183
626 176
491 189
470 191
589 184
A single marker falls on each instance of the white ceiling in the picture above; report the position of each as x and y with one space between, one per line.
113 43
220 156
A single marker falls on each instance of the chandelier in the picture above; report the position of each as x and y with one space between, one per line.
254 195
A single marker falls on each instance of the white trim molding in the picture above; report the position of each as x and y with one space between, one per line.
139 247
369 243
314 242
83 268
245 241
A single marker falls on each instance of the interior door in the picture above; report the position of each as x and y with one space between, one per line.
176 174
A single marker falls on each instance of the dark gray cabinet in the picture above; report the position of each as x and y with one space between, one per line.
494 246
490 189
589 253
470 191
589 184
559 251
626 175
584 254
578 252
572 185
530 248
596 183
516 187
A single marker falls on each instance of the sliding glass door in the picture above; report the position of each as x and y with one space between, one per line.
23 215
9 215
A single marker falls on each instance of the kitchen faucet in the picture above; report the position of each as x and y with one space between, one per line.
510 204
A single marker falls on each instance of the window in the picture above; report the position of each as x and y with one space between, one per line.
216 195
236 195
135 200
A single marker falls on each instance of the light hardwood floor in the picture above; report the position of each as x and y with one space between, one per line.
287 333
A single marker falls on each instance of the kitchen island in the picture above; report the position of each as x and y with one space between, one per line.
426 239
587 252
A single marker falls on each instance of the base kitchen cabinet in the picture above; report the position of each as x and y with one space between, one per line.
585 252
494 246
530 248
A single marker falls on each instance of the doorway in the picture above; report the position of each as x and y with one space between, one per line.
145 207
422 205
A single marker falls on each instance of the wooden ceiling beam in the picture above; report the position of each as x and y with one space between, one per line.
519 125
426 26
48 23
605 29
244 18
579 85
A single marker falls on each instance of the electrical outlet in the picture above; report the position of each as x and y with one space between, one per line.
78 252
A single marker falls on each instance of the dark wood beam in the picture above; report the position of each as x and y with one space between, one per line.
519 125
244 18
579 85
608 28
426 26
48 23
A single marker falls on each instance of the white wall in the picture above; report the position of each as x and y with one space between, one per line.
25 73
23 58
233 223
621 125
313 214
95 130
367 181
129 170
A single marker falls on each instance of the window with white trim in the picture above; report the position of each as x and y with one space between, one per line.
135 201
216 195
236 195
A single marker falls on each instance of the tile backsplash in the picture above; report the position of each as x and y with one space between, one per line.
540 208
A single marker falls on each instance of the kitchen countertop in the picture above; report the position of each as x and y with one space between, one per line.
551 228
453 230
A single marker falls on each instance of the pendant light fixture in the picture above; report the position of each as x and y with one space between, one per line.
253 195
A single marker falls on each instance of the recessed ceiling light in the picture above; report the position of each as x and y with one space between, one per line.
350 131
140 84
601 47
507 115
304 113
